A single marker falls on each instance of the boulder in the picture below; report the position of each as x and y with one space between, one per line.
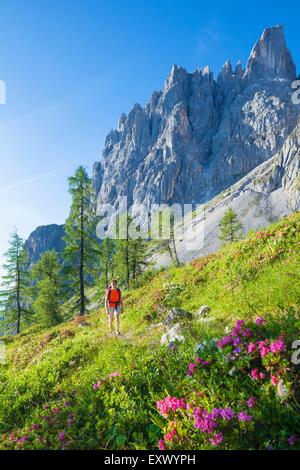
203 311
177 314
172 335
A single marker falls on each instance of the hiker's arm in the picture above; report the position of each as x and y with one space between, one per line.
106 301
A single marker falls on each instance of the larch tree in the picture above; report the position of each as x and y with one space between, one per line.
81 256
14 296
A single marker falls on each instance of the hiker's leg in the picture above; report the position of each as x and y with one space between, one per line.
110 321
117 320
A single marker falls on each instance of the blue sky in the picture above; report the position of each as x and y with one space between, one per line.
72 67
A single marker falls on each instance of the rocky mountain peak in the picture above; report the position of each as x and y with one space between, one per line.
270 57
198 136
239 72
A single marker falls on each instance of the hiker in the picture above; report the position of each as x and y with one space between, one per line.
113 305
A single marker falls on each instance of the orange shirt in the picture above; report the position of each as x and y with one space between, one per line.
114 296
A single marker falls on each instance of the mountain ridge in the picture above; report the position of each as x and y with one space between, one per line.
198 136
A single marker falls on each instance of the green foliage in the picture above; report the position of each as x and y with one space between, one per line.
166 232
230 227
130 259
49 289
15 293
58 389
107 251
82 251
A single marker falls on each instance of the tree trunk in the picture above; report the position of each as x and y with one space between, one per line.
81 266
170 251
19 310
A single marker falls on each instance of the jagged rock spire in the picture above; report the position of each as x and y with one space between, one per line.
270 57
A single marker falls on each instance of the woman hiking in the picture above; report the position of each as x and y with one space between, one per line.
113 306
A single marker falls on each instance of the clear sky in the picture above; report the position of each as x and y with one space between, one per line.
71 67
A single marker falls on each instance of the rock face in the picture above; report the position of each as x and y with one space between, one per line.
198 136
271 58
45 238
270 191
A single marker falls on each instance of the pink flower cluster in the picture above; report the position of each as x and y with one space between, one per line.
251 402
170 404
257 375
114 374
260 321
265 347
193 365
293 439
97 385
242 416
171 434
238 333
217 439
161 444
204 420
277 346
207 422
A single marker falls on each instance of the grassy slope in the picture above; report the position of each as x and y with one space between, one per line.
259 275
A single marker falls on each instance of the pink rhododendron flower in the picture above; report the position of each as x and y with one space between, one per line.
277 346
216 439
240 324
292 440
170 435
191 369
201 361
224 342
114 374
251 348
242 416
264 350
204 420
56 410
263 344
260 321
274 379
161 444
255 374
35 426
227 413
251 402
247 333
61 436
170 404
97 385
23 439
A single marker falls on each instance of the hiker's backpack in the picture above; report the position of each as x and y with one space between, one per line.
114 301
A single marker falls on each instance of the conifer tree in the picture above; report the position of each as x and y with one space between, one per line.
131 254
107 251
168 244
49 288
230 227
14 296
82 251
